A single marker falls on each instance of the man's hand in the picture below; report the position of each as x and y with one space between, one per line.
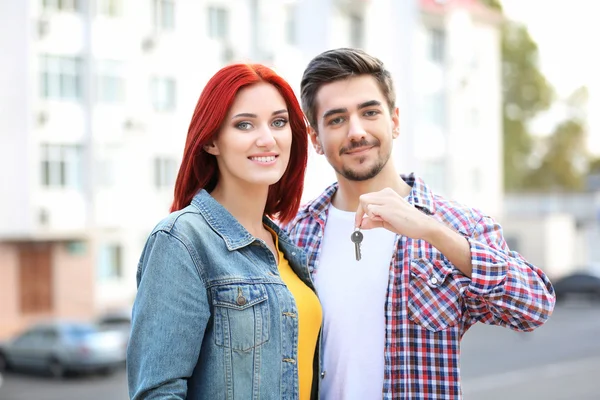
387 209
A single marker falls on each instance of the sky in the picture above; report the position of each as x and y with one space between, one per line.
566 32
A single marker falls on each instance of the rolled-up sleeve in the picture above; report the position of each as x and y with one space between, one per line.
170 315
505 289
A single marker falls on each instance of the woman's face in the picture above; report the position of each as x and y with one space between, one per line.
254 142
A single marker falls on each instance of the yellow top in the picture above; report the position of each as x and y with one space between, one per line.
310 316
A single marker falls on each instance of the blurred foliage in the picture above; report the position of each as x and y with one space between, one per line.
594 166
563 160
526 92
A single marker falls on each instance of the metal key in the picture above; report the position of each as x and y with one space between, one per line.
357 238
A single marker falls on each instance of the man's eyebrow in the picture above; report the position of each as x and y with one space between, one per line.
333 111
370 103
250 115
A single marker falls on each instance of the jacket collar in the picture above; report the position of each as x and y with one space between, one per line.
225 224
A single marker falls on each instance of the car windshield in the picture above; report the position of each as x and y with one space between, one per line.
79 331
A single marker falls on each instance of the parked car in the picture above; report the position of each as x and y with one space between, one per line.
119 320
581 284
59 347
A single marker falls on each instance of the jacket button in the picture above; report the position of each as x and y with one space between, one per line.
241 300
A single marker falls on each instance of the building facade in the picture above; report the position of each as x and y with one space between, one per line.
97 97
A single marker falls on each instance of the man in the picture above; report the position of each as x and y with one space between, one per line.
429 267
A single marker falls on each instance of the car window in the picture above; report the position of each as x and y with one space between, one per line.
79 331
28 338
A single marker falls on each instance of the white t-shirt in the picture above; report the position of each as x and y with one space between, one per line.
353 294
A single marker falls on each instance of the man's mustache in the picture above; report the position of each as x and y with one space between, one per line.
356 145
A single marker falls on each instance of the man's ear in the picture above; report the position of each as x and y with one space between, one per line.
211 148
395 122
314 138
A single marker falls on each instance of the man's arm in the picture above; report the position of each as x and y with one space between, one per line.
504 289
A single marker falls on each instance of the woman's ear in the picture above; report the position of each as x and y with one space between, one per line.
211 148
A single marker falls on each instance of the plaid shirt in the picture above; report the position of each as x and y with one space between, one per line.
430 304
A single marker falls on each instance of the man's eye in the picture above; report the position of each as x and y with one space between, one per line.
336 121
371 113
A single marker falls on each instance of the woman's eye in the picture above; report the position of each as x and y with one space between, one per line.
244 126
280 123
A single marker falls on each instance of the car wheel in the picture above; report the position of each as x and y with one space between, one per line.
3 363
56 369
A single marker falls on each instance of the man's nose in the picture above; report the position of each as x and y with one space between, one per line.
356 130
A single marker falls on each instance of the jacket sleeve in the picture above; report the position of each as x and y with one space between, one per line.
170 315
505 289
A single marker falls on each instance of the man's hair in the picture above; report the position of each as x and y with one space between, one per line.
340 64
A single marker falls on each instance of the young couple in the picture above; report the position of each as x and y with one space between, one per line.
243 294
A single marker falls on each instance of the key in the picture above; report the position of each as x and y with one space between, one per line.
357 238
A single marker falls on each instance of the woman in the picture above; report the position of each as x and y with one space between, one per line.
225 307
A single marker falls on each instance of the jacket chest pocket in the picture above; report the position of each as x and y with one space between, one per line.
434 296
241 316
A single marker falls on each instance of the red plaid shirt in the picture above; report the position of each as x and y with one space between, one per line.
431 304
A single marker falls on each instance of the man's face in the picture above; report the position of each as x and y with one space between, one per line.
355 127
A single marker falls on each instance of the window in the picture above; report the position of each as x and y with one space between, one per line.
61 5
110 263
357 27
290 24
163 94
164 15
218 23
435 109
110 8
165 172
110 82
61 77
437 46
434 172
61 166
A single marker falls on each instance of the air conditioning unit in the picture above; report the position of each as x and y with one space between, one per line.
227 53
42 118
43 217
149 43
43 27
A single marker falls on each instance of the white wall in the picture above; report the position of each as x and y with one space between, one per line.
550 242
15 118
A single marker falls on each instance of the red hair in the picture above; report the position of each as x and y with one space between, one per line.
199 169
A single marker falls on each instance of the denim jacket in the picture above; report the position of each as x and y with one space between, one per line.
212 318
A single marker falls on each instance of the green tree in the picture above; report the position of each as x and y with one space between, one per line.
564 162
526 92
565 159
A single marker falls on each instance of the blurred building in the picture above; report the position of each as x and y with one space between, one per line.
97 96
559 232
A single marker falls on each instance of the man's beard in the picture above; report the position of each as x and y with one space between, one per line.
372 172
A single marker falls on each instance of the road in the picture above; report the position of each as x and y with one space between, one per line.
558 361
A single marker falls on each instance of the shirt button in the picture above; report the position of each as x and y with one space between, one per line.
293 253
323 374
241 300
320 234
434 280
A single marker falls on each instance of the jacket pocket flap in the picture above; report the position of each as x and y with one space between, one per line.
239 296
